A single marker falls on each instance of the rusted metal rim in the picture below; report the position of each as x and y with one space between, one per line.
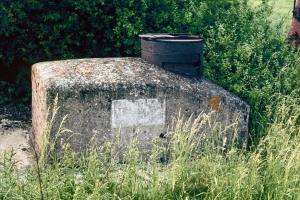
173 37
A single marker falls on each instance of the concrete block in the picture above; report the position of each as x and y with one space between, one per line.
104 97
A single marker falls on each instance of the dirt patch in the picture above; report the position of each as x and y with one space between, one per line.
15 132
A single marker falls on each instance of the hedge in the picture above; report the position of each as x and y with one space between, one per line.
35 30
244 52
40 30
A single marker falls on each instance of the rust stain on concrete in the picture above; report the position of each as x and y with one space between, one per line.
215 103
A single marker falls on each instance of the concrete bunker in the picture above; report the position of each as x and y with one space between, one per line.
107 96
104 95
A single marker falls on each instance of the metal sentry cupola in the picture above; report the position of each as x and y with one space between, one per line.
179 53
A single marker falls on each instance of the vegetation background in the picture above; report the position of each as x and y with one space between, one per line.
246 52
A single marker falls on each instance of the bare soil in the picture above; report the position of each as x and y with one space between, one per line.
15 133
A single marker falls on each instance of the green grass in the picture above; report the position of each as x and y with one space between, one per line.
271 171
282 8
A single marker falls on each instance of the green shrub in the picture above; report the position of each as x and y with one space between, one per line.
244 52
247 54
35 30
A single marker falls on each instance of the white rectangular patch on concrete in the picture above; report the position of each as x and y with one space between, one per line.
141 112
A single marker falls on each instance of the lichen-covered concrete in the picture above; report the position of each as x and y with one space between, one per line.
104 97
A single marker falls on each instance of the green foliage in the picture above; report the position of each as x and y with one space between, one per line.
49 30
244 52
9 88
34 30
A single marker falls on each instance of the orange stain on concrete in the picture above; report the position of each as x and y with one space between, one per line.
215 103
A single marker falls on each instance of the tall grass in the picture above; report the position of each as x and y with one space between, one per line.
282 9
270 171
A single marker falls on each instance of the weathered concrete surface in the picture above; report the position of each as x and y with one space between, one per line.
15 129
104 97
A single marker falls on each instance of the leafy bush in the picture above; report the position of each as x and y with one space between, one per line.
244 53
34 30
247 54
48 30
